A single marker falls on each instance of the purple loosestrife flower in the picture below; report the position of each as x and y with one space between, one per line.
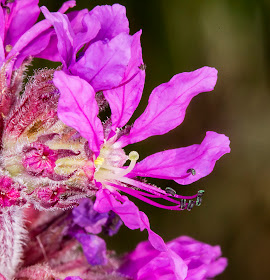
95 45
166 109
55 150
204 261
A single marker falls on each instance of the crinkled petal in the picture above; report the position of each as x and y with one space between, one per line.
175 164
51 50
216 267
104 64
33 39
67 5
145 262
24 43
112 19
89 29
124 99
65 35
204 261
168 102
135 219
77 108
34 47
94 248
22 17
86 217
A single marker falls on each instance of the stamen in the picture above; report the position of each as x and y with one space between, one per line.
183 204
199 197
192 171
133 157
142 67
99 161
191 203
170 191
8 48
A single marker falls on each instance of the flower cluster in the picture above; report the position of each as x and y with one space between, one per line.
58 155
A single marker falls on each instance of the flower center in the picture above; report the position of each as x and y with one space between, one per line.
109 164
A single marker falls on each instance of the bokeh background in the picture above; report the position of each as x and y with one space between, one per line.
234 37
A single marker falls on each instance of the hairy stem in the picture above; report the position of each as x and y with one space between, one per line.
12 235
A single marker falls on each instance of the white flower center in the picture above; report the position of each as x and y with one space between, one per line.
109 164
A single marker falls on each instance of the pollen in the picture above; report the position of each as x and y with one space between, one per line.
99 161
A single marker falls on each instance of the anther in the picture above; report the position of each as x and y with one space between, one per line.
142 67
8 48
44 157
199 197
183 204
133 156
170 191
192 171
191 203
99 161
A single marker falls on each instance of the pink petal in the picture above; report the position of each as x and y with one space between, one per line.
174 164
135 219
77 108
76 22
65 35
168 102
67 5
2 24
124 100
104 64
112 19
2 52
23 16
89 29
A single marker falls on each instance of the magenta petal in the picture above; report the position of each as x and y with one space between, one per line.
174 164
135 219
124 100
94 248
2 52
67 5
202 260
168 102
104 63
51 50
112 19
28 40
89 29
2 24
77 108
22 17
64 33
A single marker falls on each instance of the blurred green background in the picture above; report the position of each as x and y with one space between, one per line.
234 37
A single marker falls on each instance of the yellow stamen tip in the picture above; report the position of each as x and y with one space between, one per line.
133 155
99 161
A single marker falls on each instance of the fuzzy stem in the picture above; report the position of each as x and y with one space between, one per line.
12 235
